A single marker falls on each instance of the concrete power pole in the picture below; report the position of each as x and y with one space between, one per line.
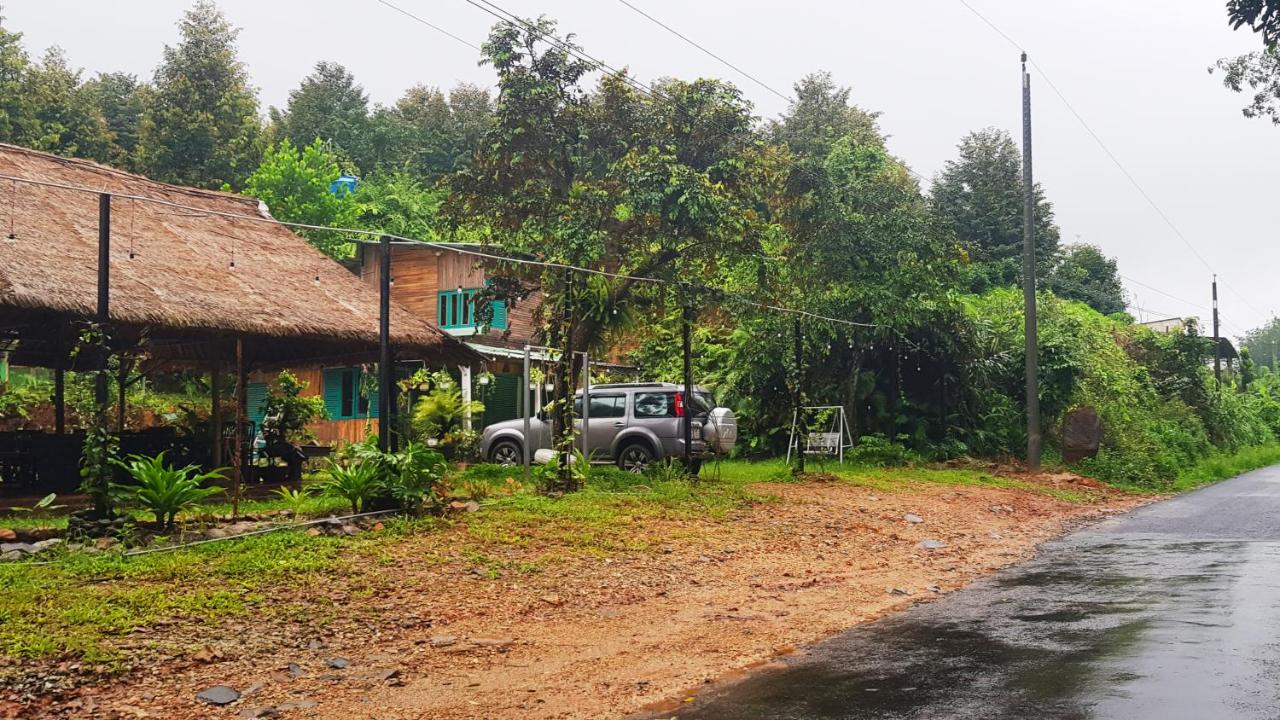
1217 341
1029 279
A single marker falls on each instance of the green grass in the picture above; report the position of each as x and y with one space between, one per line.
82 605
1220 466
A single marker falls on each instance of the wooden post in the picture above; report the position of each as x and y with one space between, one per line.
215 408
104 297
802 428
385 369
122 385
686 344
242 419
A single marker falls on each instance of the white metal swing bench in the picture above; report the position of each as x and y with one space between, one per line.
831 441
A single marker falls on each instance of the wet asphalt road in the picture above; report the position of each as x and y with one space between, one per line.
1169 612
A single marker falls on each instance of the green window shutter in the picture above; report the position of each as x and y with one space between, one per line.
499 321
255 396
502 399
373 397
332 391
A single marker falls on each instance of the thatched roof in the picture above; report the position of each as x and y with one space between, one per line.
172 271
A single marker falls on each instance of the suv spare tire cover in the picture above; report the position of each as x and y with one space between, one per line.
720 432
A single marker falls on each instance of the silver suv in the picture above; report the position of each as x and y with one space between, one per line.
631 424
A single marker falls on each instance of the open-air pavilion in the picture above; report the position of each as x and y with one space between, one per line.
190 279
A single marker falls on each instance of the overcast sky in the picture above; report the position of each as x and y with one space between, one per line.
1135 70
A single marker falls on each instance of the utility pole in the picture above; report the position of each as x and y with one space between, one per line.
384 343
802 429
686 343
104 299
1217 341
1029 278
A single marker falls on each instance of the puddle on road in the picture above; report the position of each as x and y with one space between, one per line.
1056 638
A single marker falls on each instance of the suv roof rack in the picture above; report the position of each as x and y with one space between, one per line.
630 385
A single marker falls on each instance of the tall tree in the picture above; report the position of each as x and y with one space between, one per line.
445 129
1085 274
328 105
820 115
63 120
978 197
119 99
201 125
15 109
1264 344
611 180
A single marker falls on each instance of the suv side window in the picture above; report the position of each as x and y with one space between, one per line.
655 405
603 406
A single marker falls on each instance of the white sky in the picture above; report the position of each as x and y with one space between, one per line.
1136 71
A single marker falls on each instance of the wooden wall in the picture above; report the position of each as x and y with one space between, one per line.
328 432
422 272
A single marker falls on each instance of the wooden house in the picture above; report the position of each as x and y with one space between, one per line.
203 280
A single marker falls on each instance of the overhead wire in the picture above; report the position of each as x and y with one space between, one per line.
713 55
429 24
505 15
784 96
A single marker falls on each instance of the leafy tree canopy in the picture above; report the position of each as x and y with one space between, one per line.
1085 274
1261 16
295 185
328 105
201 124
978 197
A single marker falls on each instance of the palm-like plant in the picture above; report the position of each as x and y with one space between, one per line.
295 498
354 482
166 491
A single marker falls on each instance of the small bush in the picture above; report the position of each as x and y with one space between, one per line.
415 478
356 482
166 491
880 450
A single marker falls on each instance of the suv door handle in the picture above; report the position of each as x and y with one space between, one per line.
619 424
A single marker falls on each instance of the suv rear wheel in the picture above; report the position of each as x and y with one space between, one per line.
506 452
635 457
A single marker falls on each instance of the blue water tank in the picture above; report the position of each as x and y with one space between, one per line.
344 185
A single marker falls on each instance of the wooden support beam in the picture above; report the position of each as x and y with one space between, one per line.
122 384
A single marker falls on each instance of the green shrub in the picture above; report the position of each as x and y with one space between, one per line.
880 450
415 478
356 482
166 491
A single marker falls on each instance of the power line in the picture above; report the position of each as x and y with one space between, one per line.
431 25
648 90
723 61
790 100
1168 295
1016 45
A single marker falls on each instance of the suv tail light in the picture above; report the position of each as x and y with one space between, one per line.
679 404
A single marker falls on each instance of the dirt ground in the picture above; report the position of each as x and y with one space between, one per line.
597 634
